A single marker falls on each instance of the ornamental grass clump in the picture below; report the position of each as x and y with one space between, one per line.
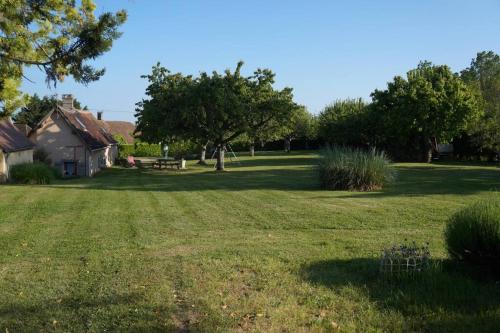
473 234
404 259
32 173
352 169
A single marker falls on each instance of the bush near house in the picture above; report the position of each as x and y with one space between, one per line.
352 169
32 173
473 234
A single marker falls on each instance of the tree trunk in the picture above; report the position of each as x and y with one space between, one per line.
203 155
426 151
220 157
287 145
252 150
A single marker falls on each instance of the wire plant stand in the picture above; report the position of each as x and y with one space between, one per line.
405 259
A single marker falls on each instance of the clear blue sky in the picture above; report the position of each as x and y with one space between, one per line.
324 50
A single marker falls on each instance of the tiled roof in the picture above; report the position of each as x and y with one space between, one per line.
25 129
123 128
11 139
92 131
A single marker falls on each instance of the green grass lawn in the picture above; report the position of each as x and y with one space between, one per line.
256 248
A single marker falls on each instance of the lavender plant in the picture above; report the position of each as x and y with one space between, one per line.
407 258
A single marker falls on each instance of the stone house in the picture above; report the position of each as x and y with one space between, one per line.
76 143
15 148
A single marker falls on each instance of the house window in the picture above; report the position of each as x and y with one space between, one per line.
70 169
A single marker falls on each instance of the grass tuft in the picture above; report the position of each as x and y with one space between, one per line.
345 168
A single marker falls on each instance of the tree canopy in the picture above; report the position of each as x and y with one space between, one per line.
431 104
341 123
483 77
218 107
37 108
59 37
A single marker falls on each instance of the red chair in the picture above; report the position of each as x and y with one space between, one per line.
131 161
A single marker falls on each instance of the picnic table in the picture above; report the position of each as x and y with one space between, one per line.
168 162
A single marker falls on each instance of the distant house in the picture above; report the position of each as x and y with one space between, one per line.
76 142
15 148
123 129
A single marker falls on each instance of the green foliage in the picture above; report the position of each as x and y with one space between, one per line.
211 107
59 37
140 149
32 173
37 108
183 148
431 105
301 124
120 139
473 234
483 77
344 123
344 168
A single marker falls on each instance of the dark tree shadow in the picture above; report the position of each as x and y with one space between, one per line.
77 314
129 312
461 303
425 180
411 181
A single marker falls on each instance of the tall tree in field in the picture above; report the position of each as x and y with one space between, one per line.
430 105
343 123
301 124
228 105
212 107
160 117
37 108
58 37
483 77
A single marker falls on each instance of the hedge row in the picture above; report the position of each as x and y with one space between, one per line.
177 150
139 149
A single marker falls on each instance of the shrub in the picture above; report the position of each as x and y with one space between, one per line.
344 168
32 173
182 149
473 234
140 149
407 258
148 150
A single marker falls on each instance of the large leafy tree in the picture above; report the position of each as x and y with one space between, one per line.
430 105
59 37
37 108
212 107
301 124
343 123
483 77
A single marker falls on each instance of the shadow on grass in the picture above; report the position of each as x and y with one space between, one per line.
85 313
131 312
429 180
450 300
290 173
298 179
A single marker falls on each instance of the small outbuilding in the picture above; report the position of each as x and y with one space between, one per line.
15 148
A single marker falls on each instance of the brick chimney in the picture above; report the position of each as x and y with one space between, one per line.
99 115
67 101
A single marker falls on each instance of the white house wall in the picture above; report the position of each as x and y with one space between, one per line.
3 167
8 160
